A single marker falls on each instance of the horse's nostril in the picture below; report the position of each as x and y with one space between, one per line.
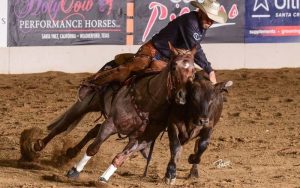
180 94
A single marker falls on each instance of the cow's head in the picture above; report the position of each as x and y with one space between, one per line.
203 99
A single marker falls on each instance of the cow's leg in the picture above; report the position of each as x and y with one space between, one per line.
71 117
72 152
175 149
107 129
201 145
133 146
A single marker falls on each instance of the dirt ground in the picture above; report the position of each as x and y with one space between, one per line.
258 135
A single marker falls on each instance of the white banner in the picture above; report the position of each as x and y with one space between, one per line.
3 23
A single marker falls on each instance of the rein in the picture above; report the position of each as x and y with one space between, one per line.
143 115
170 86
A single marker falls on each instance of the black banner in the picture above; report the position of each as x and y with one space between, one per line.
66 22
152 16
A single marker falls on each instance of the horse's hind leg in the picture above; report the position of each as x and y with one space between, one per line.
72 152
200 146
105 131
70 118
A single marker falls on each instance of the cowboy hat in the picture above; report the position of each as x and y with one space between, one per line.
212 9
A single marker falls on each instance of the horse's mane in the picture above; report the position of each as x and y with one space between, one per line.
183 51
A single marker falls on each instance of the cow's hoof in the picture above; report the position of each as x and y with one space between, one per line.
73 173
103 180
194 173
170 181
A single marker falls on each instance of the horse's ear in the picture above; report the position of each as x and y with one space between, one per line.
172 48
194 50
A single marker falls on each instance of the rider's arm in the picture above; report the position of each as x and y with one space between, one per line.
193 36
212 77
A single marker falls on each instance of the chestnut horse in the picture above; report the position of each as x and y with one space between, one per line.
139 111
195 120
101 101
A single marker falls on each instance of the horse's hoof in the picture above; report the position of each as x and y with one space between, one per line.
71 153
38 145
170 181
73 173
103 180
27 141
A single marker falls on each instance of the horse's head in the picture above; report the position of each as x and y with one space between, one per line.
205 101
182 70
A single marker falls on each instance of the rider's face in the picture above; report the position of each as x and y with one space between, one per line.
205 20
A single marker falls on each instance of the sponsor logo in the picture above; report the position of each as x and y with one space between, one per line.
279 9
197 36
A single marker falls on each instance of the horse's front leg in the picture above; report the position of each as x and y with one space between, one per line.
201 145
107 129
72 152
131 147
175 149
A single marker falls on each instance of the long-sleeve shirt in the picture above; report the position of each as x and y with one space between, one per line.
183 32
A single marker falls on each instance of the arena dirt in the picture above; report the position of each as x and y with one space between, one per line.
258 135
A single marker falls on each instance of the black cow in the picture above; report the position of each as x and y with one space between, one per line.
195 120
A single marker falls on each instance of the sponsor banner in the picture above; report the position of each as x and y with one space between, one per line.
272 21
3 23
66 22
152 16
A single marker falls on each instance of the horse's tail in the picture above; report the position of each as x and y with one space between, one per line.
149 157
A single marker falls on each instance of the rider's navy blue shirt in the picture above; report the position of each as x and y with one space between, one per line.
183 32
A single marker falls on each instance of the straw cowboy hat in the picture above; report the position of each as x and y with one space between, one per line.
212 9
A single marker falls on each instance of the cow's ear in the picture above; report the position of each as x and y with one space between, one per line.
223 86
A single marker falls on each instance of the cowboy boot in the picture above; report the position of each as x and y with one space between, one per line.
156 66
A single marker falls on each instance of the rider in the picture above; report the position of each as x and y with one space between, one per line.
185 32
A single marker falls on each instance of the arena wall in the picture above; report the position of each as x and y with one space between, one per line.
3 23
74 59
89 58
